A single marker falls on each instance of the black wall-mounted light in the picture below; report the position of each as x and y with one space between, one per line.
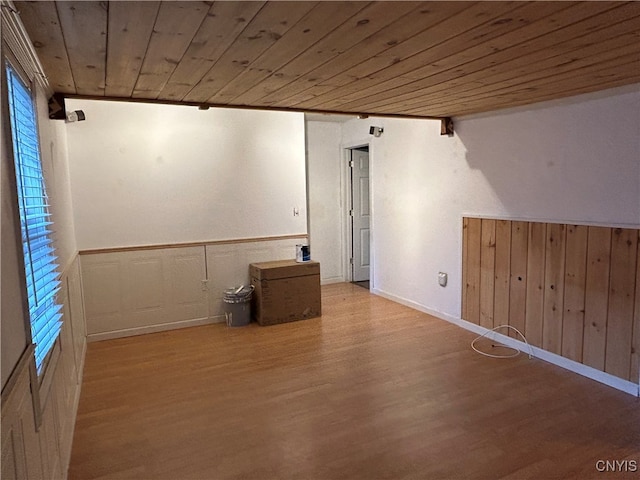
376 131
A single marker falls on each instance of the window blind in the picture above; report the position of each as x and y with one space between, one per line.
42 277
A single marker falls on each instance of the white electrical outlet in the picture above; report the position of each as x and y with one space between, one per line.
442 279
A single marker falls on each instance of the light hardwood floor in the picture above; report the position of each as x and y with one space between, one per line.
370 390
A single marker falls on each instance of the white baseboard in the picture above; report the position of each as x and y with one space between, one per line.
571 365
330 280
130 332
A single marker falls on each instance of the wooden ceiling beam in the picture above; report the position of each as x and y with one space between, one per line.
205 106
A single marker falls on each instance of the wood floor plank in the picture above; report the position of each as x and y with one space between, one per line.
372 389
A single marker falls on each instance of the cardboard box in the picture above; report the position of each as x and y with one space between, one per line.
285 291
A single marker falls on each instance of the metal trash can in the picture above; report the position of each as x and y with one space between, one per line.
237 305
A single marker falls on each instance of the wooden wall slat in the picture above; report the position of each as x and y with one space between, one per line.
487 272
465 267
596 299
634 375
574 292
518 274
624 246
472 289
554 288
502 273
535 283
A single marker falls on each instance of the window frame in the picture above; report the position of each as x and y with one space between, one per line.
40 382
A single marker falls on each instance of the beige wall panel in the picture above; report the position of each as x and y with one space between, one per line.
101 276
144 294
14 430
77 317
48 434
184 277
224 268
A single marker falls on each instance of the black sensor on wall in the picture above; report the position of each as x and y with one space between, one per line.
57 109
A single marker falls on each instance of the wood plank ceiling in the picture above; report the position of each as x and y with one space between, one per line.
431 59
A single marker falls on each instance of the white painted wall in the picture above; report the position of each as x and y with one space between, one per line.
326 235
577 160
153 174
55 163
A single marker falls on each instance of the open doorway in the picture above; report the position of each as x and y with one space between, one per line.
359 216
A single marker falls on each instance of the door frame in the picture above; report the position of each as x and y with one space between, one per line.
346 205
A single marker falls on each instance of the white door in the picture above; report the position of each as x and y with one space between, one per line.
360 213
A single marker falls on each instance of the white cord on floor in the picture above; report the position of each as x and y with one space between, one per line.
512 355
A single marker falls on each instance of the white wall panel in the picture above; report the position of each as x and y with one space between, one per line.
142 289
76 317
103 298
185 273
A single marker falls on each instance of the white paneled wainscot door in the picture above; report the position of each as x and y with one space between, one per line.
131 291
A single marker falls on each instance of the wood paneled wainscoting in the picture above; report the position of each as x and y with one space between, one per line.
572 290
37 432
134 290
